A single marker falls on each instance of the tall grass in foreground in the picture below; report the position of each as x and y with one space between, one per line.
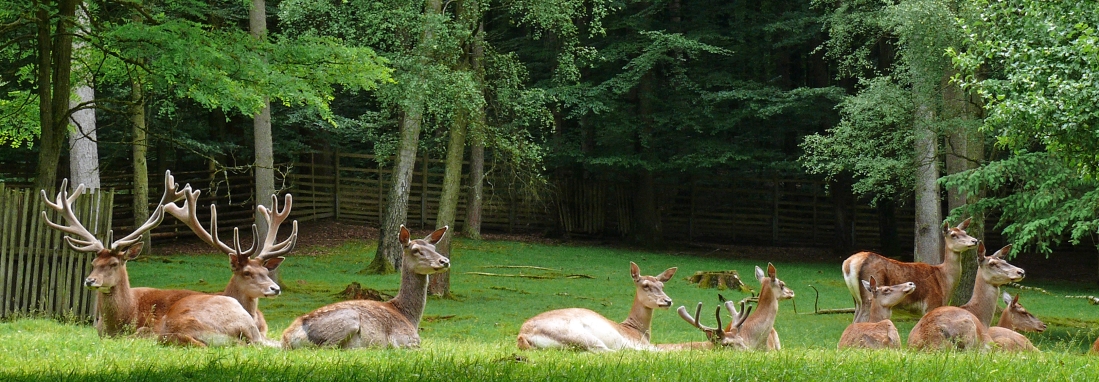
472 336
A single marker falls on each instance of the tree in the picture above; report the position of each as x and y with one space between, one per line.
83 147
264 166
55 27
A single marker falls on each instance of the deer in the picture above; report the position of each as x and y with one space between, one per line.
1014 319
758 330
232 316
934 283
363 323
120 309
716 337
961 327
251 268
584 329
879 332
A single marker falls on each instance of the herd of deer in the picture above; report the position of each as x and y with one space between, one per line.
185 317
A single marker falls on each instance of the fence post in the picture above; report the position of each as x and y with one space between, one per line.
336 189
774 210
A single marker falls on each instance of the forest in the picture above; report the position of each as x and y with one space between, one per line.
947 109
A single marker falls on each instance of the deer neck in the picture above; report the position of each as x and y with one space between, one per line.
116 307
878 312
250 304
758 326
1006 320
950 268
640 319
412 297
983 302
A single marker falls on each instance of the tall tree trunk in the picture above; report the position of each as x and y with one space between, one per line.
54 88
646 224
928 236
474 204
439 284
843 207
387 259
83 147
264 167
140 162
964 151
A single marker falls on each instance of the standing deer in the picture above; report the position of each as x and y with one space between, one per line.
584 329
716 337
934 283
251 268
363 323
960 327
120 308
232 316
879 332
1015 319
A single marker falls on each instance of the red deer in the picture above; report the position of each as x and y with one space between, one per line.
992 272
949 326
120 308
934 283
584 329
232 316
363 323
1013 320
879 332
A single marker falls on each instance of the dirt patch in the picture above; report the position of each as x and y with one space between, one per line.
311 235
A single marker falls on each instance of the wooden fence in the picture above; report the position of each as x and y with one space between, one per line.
39 273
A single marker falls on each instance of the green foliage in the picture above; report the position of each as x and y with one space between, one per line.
1035 63
19 124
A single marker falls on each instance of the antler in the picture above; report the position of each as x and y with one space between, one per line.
738 318
171 195
713 334
189 216
87 242
274 218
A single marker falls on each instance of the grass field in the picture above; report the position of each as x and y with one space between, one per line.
472 336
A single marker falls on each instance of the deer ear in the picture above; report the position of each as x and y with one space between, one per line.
981 250
235 261
770 270
635 272
868 285
1015 300
667 275
1002 252
404 236
759 274
134 250
273 263
964 224
434 237
1007 298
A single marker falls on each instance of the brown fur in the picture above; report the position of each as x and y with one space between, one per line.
1095 347
584 329
122 309
880 332
758 330
1014 319
204 320
361 323
992 272
934 283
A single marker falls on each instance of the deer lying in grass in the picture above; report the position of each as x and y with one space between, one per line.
715 337
584 329
120 308
363 323
960 327
879 332
232 316
752 332
1014 319
934 283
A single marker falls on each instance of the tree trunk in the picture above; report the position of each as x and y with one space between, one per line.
646 225
928 236
887 228
843 207
83 147
54 88
964 151
439 284
474 204
140 162
264 167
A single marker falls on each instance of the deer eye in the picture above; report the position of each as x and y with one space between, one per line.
246 274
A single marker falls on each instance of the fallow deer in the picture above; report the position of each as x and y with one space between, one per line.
949 326
232 316
1014 319
251 268
584 329
758 330
120 308
879 332
363 323
716 337
934 283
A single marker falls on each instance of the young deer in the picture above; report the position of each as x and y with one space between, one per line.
120 308
363 323
758 330
251 268
716 337
934 283
960 327
1015 319
232 316
879 332
584 329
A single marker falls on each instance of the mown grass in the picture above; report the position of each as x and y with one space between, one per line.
471 336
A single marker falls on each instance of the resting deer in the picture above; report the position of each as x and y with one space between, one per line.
716 337
758 329
992 272
119 307
1013 320
584 329
879 332
949 326
934 283
363 323
232 316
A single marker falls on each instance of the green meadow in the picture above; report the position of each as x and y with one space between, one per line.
471 336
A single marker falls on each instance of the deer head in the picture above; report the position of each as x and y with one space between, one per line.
957 240
420 255
995 270
650 289
888 296
769 280
1018 318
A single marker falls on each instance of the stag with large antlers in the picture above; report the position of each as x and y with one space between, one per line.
584 329
364 323
214 319
119 307
715 337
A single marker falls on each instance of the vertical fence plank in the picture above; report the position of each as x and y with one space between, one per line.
6 232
